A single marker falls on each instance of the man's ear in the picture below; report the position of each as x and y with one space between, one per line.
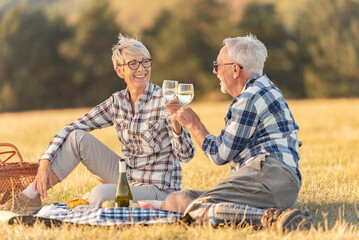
119 72
236 70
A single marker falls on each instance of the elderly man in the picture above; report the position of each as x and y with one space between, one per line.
259 141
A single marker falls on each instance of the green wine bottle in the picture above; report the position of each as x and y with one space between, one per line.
123 191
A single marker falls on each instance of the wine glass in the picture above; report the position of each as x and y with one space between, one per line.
185 93
169 89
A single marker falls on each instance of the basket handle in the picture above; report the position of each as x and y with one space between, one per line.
12 153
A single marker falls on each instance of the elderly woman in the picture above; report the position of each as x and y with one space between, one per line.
153 145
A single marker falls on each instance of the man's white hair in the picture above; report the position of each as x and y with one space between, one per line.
248 52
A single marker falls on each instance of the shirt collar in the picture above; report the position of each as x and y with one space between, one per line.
146 95
252 80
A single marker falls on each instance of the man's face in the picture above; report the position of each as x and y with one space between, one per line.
224 71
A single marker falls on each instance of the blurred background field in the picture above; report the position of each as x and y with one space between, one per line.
57 53
329 165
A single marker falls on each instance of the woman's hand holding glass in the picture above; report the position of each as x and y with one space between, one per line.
184 93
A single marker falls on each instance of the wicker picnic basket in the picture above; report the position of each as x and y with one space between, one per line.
14 176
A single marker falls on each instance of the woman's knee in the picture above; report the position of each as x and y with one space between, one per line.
77 134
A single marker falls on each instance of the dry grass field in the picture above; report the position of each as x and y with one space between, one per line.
329 165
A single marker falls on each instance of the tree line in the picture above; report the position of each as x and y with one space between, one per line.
47 62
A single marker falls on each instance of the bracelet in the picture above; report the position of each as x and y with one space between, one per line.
45 159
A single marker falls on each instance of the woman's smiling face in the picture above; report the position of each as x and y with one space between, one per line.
135 79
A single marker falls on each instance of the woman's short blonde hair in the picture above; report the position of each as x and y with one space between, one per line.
127 45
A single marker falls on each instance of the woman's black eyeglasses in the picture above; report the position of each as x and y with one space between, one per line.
216 64
146 63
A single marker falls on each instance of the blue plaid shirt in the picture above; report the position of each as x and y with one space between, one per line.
258 122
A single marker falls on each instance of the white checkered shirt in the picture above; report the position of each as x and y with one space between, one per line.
153 151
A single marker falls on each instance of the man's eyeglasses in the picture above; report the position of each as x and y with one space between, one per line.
146 63
216 64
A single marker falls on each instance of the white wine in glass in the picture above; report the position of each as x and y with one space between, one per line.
185 93
169 89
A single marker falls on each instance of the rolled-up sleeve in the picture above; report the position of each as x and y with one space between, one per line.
241 122
99 117
182 146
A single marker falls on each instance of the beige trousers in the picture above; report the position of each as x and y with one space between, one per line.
101 161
